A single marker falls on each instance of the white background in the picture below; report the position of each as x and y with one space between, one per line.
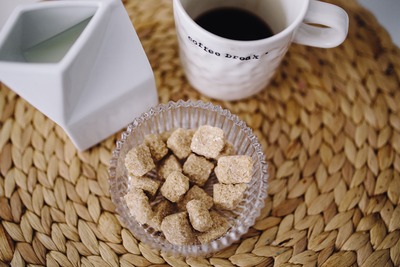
388 14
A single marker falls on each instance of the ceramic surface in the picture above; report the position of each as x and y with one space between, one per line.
97 84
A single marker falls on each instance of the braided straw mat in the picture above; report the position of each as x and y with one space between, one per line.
330 127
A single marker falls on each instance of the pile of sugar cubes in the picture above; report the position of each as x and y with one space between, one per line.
184 159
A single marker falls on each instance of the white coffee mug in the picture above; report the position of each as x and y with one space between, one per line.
227 69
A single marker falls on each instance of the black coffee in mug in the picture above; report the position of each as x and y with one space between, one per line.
234 23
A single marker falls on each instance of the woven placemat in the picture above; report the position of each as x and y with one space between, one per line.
330 127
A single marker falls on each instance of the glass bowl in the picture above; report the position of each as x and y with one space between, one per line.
191 115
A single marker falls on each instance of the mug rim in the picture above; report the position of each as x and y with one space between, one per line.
286 31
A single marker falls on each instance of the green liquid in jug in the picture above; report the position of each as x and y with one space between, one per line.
55 48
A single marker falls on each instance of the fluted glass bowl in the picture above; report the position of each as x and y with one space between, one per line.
191 115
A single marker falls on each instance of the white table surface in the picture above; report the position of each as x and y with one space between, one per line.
387 13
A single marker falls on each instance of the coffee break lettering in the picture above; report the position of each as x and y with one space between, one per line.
212 52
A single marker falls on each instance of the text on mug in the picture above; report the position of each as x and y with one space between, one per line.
226 55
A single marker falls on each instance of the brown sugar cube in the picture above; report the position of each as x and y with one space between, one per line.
208 141
228 196
179 142
199 215
228 150
198 169
138 160
177 229
219 227
175 186
158 149
139 205
146 184
161 210
196 193
165 135
169 165
234 169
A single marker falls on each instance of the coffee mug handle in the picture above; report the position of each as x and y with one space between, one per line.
324 25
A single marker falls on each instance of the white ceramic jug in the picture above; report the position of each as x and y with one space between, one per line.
80 63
